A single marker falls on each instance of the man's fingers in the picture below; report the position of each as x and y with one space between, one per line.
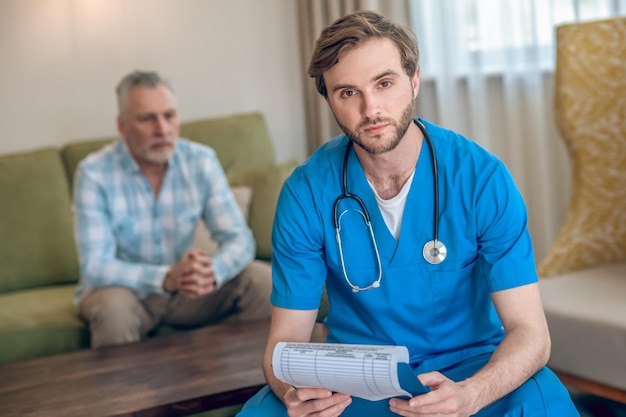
194 286
203 278
316 401
197 255
198 266
305 394
206 285
430 379
197 284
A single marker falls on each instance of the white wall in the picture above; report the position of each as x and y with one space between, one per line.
61 59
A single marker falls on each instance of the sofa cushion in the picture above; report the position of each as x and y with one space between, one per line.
73 153
40 322
242 141
37 246
266 184
586 314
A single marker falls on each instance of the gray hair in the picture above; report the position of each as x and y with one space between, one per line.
139 78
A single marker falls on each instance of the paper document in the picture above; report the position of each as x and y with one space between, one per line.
371 372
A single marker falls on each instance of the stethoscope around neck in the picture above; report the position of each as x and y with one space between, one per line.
434 251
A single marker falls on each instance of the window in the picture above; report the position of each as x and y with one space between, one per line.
495 36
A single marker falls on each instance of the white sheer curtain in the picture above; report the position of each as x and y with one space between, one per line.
486 71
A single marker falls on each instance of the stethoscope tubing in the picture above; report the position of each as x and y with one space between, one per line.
346 194
434 251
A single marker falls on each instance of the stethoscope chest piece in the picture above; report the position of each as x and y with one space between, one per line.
434 252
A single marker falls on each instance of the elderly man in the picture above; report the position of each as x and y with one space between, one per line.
137 203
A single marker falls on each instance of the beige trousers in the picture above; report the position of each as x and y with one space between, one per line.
116 315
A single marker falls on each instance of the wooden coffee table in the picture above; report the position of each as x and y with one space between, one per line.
174 375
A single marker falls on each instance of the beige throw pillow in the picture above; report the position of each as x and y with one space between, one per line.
202 238
266 184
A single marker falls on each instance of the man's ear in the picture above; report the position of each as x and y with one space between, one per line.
415 81
120 126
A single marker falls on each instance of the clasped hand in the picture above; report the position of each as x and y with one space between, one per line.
192 276
446 398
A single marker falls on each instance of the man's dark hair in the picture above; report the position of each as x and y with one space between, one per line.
352 31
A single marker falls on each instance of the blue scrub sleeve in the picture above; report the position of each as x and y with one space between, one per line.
298 266
503 237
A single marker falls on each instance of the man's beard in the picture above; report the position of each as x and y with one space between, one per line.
159 156
377 148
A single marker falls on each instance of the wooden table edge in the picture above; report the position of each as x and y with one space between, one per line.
199 405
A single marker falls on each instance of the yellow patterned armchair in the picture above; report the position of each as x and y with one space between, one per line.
583 281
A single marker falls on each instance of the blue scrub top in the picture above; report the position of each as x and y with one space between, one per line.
442 313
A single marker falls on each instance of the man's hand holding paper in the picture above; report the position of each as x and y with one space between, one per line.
371 372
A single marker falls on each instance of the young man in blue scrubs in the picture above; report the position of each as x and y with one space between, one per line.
470 313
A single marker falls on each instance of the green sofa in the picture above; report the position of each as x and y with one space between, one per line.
38 259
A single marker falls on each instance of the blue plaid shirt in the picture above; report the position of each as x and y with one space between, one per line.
126 237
